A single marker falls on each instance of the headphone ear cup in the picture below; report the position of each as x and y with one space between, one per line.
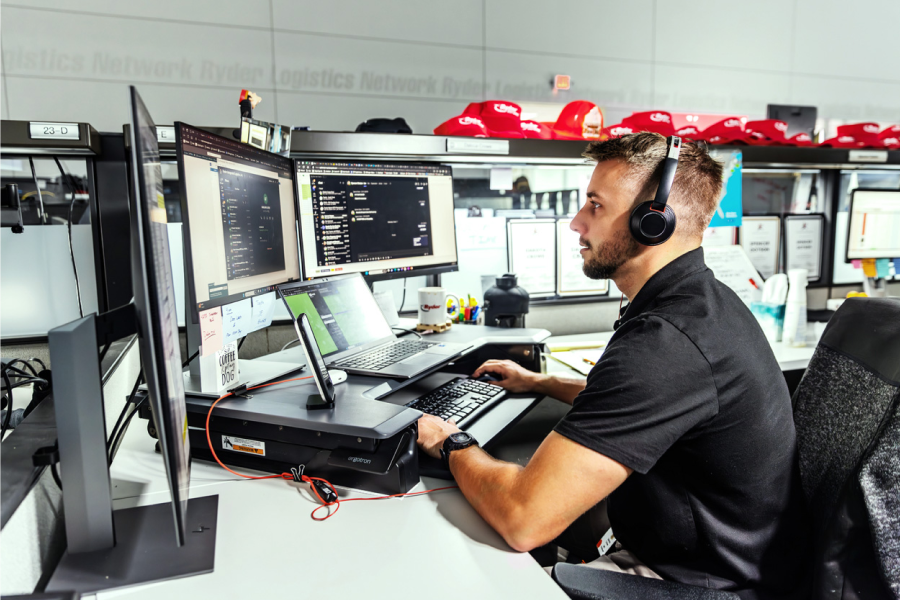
651 227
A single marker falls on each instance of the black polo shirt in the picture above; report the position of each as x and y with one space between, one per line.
689 395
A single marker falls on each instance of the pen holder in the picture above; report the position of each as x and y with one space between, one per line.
770 317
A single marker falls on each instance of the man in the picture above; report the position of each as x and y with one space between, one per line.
684 424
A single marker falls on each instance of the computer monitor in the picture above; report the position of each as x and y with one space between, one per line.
874 230
154 301
382 219
239 215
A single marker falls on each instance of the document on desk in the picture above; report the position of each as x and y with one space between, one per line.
580 360
236 320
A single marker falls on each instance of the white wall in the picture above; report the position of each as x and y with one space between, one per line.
332 64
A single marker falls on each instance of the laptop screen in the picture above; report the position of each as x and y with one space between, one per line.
341 310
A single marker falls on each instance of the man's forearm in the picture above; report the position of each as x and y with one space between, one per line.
563 389
491 487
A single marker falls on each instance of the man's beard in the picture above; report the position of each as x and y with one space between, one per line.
603 262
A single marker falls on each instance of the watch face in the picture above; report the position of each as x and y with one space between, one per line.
460 438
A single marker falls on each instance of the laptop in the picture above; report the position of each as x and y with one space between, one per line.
353 334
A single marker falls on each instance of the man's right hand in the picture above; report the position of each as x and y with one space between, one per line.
514 378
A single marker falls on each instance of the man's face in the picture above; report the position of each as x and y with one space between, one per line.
602 223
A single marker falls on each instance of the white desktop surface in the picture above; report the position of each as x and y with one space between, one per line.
267 546
788 357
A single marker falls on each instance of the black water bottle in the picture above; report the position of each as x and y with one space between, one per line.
505 303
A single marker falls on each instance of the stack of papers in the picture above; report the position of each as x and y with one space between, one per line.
579 356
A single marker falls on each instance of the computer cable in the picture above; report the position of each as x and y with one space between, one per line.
403 298
9 404
37 187
289 344
72 185
24 362
55 474
324 491
412 331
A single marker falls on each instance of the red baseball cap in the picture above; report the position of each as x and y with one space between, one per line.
842 141
535 130
614 131
656 121
463 125
865 133
688 131
767 132
579 120
502 118
801 139
726 131
890 137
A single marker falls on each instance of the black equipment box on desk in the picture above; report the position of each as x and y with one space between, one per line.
360 443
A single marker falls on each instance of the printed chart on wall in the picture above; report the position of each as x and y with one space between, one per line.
730 208
532 254
761 239
803 237
570 277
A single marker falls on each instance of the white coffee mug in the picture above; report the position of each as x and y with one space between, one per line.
433 305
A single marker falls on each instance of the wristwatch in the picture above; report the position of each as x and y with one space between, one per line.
456 441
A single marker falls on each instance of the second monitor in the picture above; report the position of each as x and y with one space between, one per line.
383 220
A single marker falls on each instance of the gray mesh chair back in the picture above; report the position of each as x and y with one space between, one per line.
847 415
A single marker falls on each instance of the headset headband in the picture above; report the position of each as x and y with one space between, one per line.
670 164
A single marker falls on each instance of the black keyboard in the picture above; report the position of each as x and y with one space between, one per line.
463 398
385 356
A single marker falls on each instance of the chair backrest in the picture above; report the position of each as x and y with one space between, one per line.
847 415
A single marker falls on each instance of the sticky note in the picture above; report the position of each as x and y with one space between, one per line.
857 263
263 309
210 331
236 320
882 268
868 265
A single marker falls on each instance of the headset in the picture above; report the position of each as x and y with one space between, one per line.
653 222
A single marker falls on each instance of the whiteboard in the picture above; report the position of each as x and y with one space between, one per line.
570 278
532 254
732 266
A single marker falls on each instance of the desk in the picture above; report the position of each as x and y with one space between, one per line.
789 358
433 546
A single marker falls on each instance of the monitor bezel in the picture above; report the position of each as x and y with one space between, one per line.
847 257
149 324
370 278
193 309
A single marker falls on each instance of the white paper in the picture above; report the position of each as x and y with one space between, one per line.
580 360
803 243
210 331
263 309
718 236
532 255
761 239
732 266
237 320
501 178
571 279
481 243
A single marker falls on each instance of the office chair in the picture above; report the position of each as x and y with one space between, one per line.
847 416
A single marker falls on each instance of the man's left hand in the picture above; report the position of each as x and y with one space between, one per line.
432 433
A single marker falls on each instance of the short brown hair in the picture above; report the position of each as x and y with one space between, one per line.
698 181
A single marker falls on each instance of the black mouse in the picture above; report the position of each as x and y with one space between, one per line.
488 378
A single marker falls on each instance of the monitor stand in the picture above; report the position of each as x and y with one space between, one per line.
145 550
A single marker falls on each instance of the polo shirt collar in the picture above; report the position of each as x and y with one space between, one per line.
686 264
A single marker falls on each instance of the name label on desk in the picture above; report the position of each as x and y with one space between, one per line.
236 444
38 130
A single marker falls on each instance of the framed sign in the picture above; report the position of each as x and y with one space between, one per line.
803 244
570 278
532 254
761 239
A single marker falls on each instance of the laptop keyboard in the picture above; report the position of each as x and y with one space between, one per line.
462 398
385 356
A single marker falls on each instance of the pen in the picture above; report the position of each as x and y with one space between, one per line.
589 361
753 283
